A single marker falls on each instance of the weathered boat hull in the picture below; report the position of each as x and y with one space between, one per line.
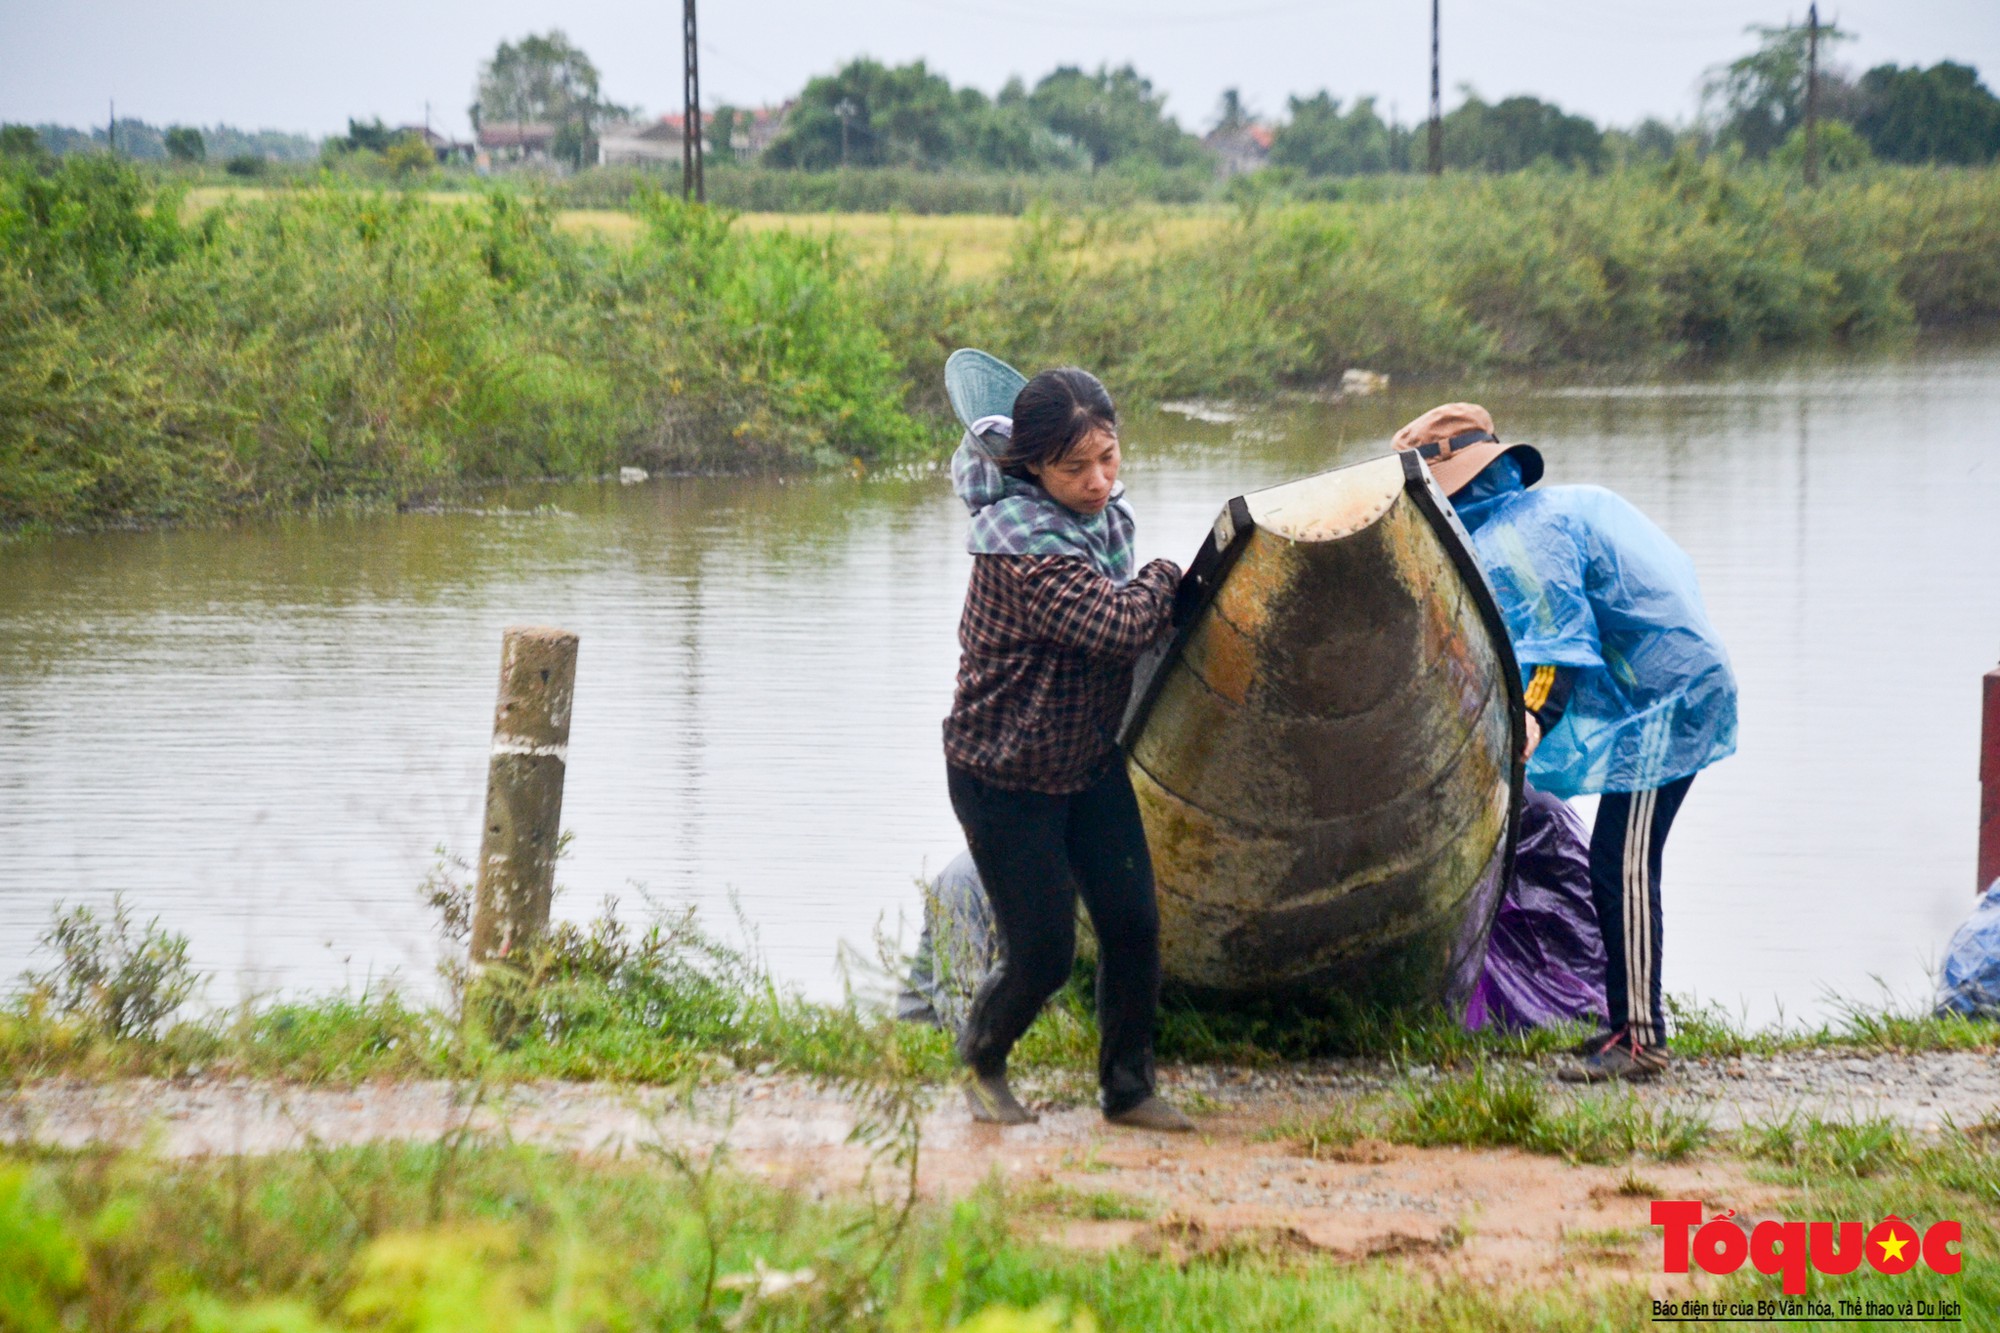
1326 753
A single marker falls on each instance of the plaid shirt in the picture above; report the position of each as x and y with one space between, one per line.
1048 645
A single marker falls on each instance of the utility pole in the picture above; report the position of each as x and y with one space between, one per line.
111 128
846 110
691 183
1812 95
1437 101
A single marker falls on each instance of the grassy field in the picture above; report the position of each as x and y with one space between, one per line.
968 245
971 246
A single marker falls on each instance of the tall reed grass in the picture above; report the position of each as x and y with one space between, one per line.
1533 270
323 344
332 342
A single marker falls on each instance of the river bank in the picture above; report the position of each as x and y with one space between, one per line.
749 1154
333 344
1704 1099
1282 1202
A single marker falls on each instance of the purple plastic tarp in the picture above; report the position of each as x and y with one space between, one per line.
1545 957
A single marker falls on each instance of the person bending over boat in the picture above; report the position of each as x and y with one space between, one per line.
1054 618
1629 690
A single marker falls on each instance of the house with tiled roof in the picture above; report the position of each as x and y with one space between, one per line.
1243 147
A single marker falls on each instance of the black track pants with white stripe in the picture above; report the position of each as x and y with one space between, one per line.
1625 850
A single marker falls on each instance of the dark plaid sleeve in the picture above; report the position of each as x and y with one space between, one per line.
1069 603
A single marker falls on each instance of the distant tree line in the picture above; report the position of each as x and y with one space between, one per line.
1941 114
144 142
871 115
1319 139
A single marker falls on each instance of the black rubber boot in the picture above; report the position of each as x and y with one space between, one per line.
992 1101
1154 1113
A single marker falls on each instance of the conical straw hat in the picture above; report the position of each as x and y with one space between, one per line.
980 385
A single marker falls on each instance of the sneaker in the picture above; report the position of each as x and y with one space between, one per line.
1155 1113
1595 1043
992 1102
1623 1059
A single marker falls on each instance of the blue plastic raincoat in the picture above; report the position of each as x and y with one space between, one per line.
1970 981
1584 580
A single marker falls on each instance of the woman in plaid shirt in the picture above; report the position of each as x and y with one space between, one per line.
1054 618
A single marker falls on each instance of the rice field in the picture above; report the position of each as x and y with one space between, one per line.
970 245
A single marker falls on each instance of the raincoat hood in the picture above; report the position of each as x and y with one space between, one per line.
1479 499
1586 581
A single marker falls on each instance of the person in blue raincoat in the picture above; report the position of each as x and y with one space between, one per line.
1628 687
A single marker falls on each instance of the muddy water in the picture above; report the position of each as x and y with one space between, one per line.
264 734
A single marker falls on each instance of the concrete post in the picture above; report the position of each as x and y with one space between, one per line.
524 785
1989 784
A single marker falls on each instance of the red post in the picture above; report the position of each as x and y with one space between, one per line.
1989 785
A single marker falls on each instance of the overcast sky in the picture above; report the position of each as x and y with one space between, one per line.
307 65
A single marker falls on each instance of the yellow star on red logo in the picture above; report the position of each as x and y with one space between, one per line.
1892 1248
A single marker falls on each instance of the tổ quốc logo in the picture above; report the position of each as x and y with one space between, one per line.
1791 1250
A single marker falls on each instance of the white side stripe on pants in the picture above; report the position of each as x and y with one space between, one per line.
1639 916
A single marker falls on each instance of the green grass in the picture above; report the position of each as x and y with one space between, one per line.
1863 1173
431 1237
1808 1148
668 1001
1887 1027
1324 1133
1487 1108
1202 1029
1499 1106
1067 1201
471 1233
317 345
1612 1127
510 1239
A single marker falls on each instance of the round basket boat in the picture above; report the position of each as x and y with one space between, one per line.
1326 752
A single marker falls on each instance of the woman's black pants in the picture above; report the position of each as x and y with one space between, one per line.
1035 852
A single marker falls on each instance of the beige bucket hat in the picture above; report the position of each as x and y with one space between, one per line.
1457 440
